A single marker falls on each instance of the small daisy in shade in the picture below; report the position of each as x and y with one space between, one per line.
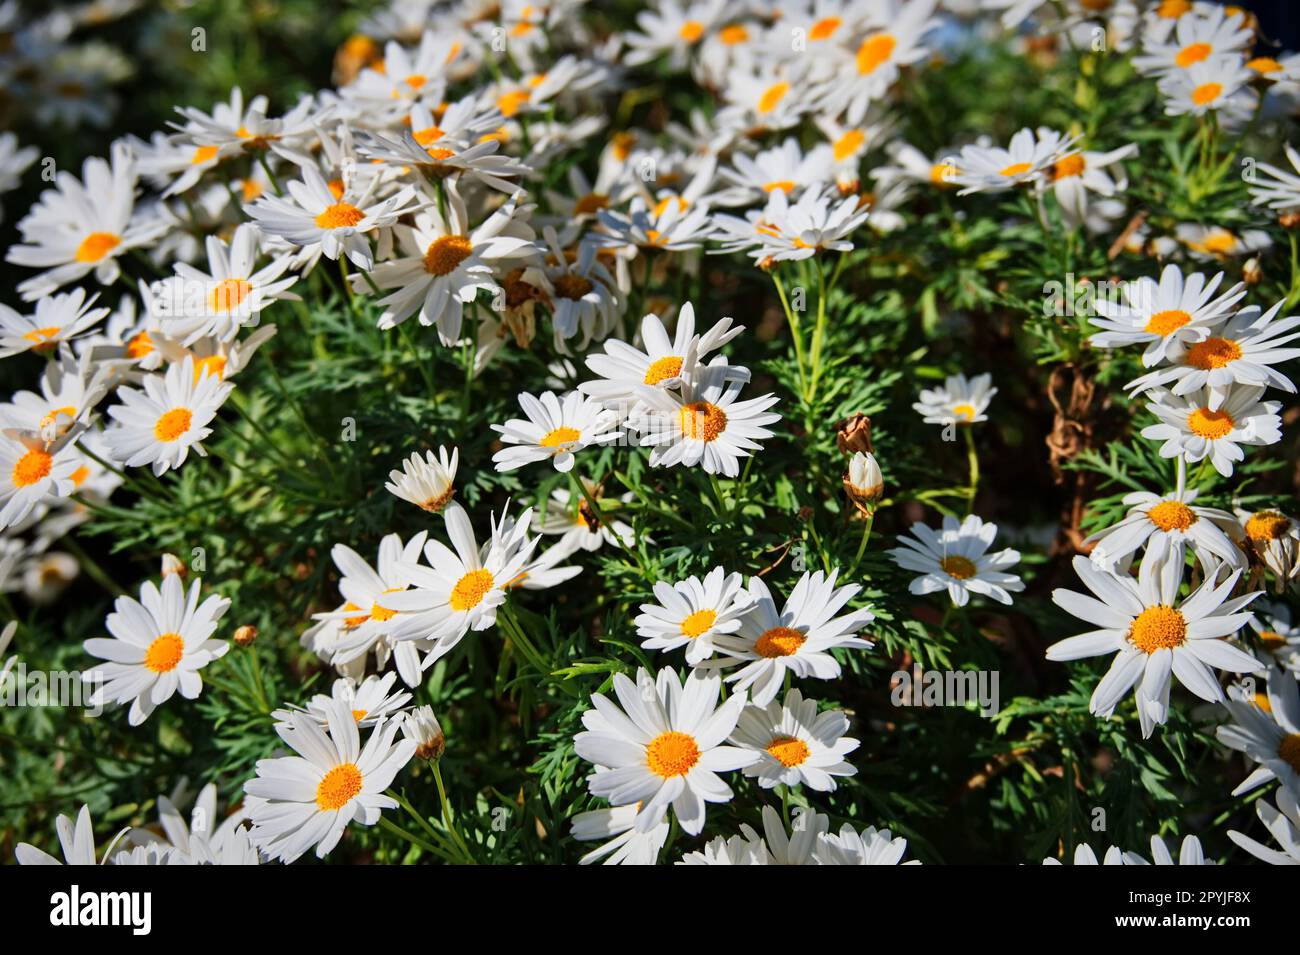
1166 525
57 319
956 558
160 643
579 527
796 639
707 425
581 295
159 425
1029 157
1243 351
623 843
76 840
795 743
13 163
691 612
1266 727
71 386
427 482
1164 315
667 227
420 725
1276 188
82 226
1191 428
660 361
868 847
1283 823
1084 855
959 401
318 220
1153 634
296 802
556 429
370 701
663 747
33 473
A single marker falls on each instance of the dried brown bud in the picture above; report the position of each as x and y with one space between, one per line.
171 564
245 636
853 434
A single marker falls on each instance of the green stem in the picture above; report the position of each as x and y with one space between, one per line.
447 816
973 461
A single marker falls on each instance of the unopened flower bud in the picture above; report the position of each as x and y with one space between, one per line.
1251 273
422 728
171 564
853 434
245 635
863 481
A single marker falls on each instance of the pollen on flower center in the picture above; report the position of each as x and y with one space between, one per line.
165 653
955 565
471 589
1170 320
874 51
824 28
1271 640
662 369
1210 424
703 421
788 751
43 337
444 255
1289 751
229 294
1193 53
173 424
1171 516
572 287
359 715
381 613
781 185
339 216
97 245
964 411
203 153
672 754
848 144
1206 93
139 345
772 97
1016 169
1158 628
698 622
33 466
1213 353
1069 166
779 642
213 365
1267 526
560 437
691 31
338 787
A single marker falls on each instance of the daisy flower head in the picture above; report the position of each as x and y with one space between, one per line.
799 845
1282 823
1153 634
233 128
956 558
1207 35
706 425
961 400
82 226
370 701
1084 855
691 612
71 386
783 168
159 644
666 226
579 528
1243 352
747 848
863 481
1028 158
869 846
1215 243
817 222
1275 188
56 319
446 158
160 424
1190 852
581 295
1190 427
796 744
420 725
1278 636
1266 727
34 473
674 28
768 95
297 802
623 843
1076 176
318 220
662 745
1166 525
893 39
1272 539
796 639
1164 315
1220 85
427 482
556 429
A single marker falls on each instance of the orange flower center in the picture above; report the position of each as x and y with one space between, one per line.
788 751
874 51
1193 53
31 467
1213 353
1172 516
698 622
1158 628
848 145
691 31
1289 751
471 589
1206 93
1210 424
825 28
338 787
1069 166
1016 169
229 294
572 287
339 216
165 653
203 154
702 421
955 565
662 369
97 245
672 754
1267 526
590 204
772 97
1162 323
173 424
444 255
779 642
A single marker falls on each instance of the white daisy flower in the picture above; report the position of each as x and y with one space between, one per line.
796 744
1283 823
447 158
956 559
370 701
1191 428
1215 243
235 129
1273 539
1276 188
57 319
796 639
579 527
1075 176
674 28
76 840
213 356
784 168
555 430
296 802
13 163
747 848
625 845
202 841
1166 525
159 425
667 227
1196 39
663 747
1083 855
816 222
1164 315
159 645
82 226
34 473
798 847
422 728
1220 85
1266 727
1277 634
71 386
868 847
961 400
691 612
582 300
911 165
769 95
1189 853
1153 634
895 39
1028 158
427 482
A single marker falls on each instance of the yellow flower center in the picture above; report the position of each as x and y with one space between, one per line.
965 412
1069 166
351 623
52 419
31 467
661 369
339 216
336 188
733 35
1193 53
672 754
1172 516
509 103
1173 9
429 135
1016 169
1162 323
78 477
1158 628
42 336
1213 353
444 255
338 787
698 622
955 565
213 365
359 715
825 28
1261 702
781 185
229 294
1272 641
139 345
381 613
173 424
848 144
1210 424
874 51
941 173
561 437
1289 751
691 31
772 97
97 245
779 642
471 589
203 154
1267 526
572 287
788 751
702 421
1206 93
1264 64
165 653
